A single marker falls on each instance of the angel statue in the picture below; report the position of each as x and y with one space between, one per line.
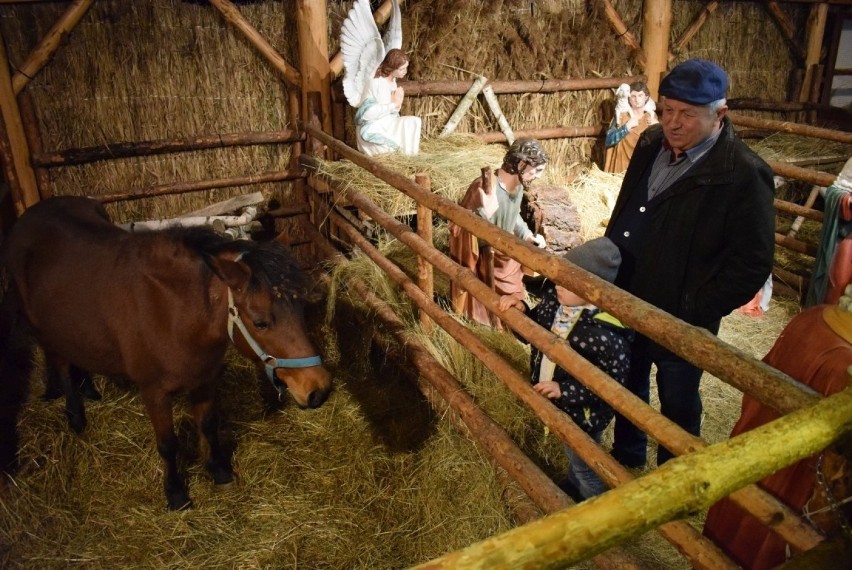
635 111
371 67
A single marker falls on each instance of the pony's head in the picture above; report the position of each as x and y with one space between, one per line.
267 292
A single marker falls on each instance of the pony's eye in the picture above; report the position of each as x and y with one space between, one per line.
261 325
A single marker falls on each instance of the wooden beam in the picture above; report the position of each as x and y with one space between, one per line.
49 44
422 88
788 30
693 28
184 187
623 32
794 128
75 156
290 75
816 31
18 147
656 27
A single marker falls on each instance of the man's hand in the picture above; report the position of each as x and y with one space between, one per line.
548 389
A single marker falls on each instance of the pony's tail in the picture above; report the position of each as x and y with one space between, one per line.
16 351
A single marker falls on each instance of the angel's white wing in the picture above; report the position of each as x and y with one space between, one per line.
393 33
362 49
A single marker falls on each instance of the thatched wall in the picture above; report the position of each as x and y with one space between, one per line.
133 71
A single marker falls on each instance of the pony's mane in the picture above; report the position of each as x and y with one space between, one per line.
272 266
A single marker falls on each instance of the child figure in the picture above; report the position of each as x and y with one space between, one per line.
598 337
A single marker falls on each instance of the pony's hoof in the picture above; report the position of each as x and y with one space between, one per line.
222 478
181 504
226 485
77 423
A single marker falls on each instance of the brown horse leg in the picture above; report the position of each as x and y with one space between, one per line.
159 407
79 377
74 409
207 421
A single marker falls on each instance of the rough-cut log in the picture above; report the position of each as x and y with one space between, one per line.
794 128
544 133
816 30
290 75
623 32
750 103
85 155
699 549
417 88
464 105
656 28
798 210
764 507
425 272
229 205
693 28
18 148
682 486
184 187
795 245
814 177
494 105
49 44
788 30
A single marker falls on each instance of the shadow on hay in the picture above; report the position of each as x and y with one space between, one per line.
398 414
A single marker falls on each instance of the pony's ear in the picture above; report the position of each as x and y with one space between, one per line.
235 274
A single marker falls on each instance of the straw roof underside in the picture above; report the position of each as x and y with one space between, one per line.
183 71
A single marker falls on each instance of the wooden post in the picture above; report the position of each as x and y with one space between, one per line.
312 25
30 122
20 152
656 25
425 275
816 31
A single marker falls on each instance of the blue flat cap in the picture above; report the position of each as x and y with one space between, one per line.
695 81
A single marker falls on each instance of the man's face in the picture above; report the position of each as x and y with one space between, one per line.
685 125
637 99
529 173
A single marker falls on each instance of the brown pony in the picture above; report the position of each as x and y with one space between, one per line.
157 308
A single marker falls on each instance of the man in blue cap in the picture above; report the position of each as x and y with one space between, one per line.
695 224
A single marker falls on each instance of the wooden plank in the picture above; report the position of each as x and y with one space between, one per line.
229 205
